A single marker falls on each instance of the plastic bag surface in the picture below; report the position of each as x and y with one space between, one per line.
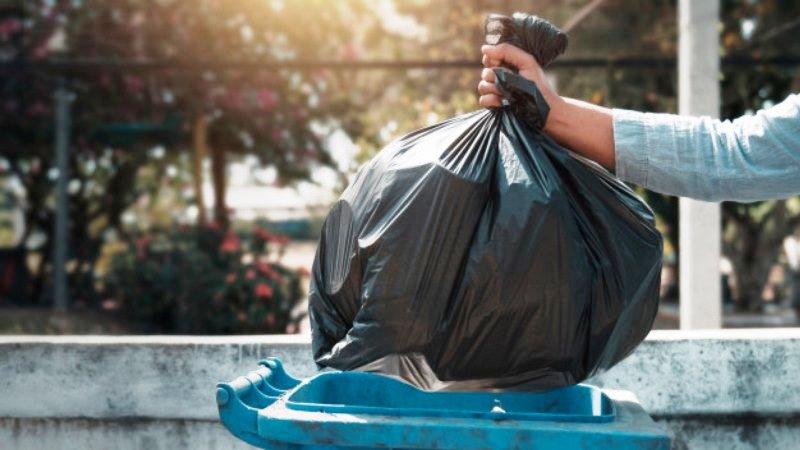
479 254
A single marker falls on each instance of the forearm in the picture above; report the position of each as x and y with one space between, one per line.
582 127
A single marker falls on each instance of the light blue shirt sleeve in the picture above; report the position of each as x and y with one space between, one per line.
754 157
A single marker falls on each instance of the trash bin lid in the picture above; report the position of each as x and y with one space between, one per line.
270 409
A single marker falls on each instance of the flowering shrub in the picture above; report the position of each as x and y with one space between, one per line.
204 280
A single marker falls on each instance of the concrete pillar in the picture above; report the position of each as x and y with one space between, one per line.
700 224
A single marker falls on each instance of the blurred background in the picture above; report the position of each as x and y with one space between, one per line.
165 165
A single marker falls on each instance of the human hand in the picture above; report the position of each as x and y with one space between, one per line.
495 57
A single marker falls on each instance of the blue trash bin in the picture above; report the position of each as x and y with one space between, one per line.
356 410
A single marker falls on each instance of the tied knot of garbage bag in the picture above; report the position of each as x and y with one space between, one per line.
531 33
523 97
537 37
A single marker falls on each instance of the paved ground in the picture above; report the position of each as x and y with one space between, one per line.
778 317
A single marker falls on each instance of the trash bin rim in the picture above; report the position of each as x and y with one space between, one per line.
603 412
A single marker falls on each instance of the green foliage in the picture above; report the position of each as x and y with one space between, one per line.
281 117
204 280
120 116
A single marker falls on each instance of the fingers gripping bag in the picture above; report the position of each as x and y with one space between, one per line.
479 254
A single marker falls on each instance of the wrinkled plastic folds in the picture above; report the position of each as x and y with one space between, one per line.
479 254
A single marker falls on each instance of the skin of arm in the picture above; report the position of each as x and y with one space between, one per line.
583 127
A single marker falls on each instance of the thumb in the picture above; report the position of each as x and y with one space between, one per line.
510 55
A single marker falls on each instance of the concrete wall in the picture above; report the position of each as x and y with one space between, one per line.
733 389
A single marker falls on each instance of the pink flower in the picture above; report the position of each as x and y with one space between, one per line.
264 268
269 271
263 290
9 27
231 278
230 243
267 99
251 274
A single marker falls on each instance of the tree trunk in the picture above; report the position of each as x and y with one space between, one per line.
220 188
753 272
199 154
754 247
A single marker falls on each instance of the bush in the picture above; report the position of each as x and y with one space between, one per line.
204 280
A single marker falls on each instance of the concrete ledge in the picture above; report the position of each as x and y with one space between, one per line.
101 377
725 372
124 434
755 371
743 385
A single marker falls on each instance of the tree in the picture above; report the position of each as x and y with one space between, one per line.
281 117
754 232
274 115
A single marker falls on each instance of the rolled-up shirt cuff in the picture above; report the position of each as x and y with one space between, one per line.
630 146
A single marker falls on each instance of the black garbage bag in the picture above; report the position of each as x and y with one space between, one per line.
478 253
